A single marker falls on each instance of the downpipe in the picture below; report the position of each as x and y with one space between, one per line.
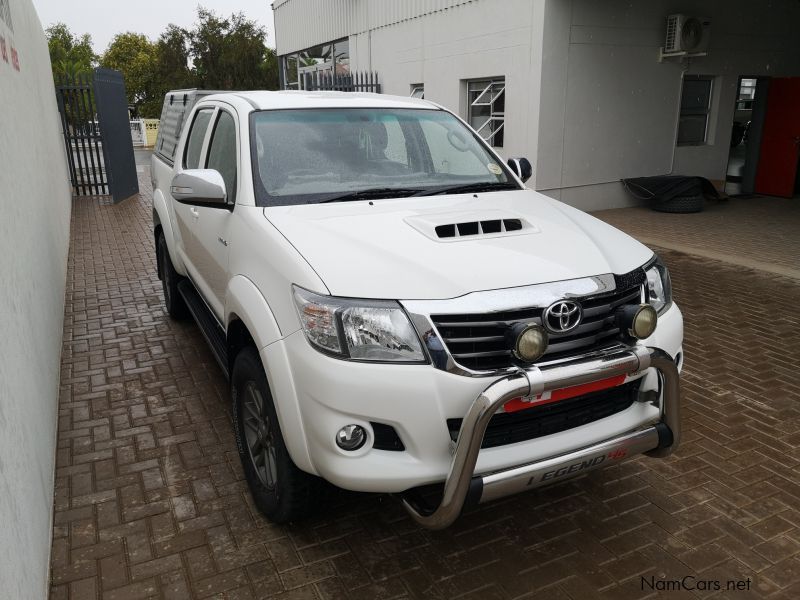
530 383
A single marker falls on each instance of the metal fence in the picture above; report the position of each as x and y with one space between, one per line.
138 136
84 143
144 132
349 82
97 134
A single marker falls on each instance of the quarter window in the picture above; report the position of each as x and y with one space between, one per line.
197 135
695 108
222 152
487 108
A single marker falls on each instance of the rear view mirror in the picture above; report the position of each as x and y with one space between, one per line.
199 186
457 140
522 168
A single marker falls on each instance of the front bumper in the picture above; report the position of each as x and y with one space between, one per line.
315 395
659 439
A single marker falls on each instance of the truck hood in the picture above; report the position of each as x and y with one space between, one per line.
446 246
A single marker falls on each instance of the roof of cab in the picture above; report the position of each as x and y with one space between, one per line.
263 100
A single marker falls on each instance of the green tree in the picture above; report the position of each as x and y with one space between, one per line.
172 68
231 53
173 58
217 53
70 55
137 58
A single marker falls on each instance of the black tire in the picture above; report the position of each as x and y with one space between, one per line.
280 490
680 204
170 278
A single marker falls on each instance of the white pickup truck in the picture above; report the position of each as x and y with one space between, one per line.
396 312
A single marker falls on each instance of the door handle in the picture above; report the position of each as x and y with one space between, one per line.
195 212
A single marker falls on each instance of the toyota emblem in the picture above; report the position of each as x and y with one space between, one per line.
562 316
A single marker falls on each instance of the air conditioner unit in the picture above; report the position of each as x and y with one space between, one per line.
687 34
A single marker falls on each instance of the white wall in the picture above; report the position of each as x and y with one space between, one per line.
34 236
609 108
469 41
300 24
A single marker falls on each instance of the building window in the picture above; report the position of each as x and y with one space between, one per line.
747 93
341 56
486 99
418 90
695 109
331 58
289 75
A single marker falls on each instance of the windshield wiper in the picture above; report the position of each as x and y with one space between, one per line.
384 192
485 186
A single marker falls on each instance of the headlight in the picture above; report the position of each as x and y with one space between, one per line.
365 330
659 286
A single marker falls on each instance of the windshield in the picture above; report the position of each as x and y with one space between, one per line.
304 156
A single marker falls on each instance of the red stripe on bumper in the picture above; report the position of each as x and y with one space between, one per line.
518 404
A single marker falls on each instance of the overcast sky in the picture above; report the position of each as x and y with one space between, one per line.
103 19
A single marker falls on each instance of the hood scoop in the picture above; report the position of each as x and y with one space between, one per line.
452 227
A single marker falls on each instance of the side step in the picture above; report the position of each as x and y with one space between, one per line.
209 326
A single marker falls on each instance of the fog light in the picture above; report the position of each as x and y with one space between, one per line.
351 437
528 342
638 321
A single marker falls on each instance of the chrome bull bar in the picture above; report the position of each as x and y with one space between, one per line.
658 440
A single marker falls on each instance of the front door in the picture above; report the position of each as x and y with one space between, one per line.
780 142
211 227
185 214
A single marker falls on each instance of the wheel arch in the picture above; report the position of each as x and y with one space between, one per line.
246 307
250 321
162 223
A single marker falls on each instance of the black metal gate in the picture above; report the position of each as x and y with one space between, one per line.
82 135
350 82
97 136
115 126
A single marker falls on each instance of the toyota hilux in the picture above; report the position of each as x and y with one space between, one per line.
396 312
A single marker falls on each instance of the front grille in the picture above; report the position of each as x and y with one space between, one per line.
477 341
509 428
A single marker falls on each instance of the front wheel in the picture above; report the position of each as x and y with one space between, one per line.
280 490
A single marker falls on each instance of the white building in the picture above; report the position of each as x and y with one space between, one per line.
574 85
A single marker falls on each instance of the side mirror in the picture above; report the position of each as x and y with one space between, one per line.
199 186
522 168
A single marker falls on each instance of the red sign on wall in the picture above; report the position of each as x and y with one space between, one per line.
8 52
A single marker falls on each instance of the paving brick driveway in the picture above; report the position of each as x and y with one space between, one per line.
150 499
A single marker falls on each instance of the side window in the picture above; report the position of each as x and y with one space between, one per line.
194 145
222 152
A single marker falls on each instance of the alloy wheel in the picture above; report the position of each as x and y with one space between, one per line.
260 435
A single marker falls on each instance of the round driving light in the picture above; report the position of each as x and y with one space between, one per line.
644 322
351 437
528 341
